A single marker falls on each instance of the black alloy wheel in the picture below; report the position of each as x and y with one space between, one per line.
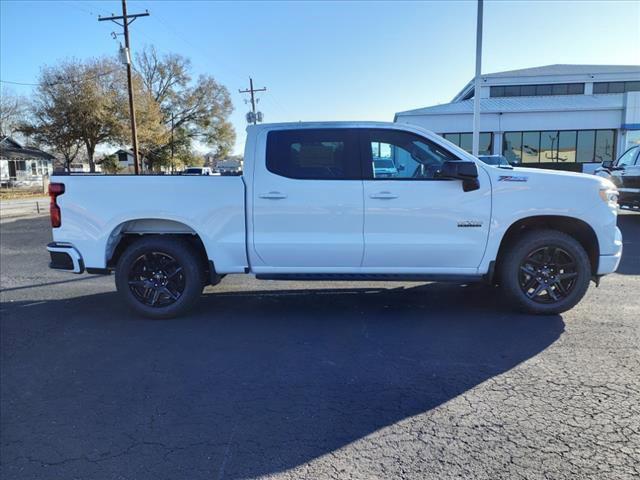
160 276
156 279
548 274
544 272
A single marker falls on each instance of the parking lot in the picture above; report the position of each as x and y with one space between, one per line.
293 380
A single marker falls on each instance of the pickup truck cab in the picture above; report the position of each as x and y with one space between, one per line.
310 205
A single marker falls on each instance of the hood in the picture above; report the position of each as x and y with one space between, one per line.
552 177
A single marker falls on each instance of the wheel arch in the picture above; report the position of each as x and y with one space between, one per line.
125 233
576 228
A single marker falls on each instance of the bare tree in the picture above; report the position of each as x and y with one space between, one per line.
12 112
197 110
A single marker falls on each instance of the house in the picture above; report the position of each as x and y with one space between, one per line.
125 161
23 166
569 117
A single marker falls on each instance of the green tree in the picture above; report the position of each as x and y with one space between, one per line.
110 164
196 109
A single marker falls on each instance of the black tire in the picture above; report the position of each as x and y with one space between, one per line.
160 277
539 261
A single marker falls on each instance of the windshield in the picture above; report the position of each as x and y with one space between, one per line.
383 164
197 171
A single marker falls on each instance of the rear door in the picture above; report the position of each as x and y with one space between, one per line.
307 201
414 221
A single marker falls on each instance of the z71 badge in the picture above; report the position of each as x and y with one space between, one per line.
512 178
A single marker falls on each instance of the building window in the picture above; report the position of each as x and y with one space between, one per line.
537 90
616 87
548 147
604 145
530 147
512 147
560 89
567 142
465 142
564 146
585 150
542 90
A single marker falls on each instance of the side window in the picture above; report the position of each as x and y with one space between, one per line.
627 158
319 154
398 155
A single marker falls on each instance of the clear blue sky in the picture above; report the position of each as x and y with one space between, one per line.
328 60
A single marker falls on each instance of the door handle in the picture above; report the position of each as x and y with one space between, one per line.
383 195
273 195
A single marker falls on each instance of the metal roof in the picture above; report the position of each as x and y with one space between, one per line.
565 69
525 104
12 150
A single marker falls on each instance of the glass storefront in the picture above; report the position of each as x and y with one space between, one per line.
559 146
465 141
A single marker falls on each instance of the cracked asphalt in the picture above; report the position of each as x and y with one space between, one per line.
290 380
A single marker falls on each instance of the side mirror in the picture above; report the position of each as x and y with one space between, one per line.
608 164
461 170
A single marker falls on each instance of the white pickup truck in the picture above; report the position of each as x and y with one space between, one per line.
312 204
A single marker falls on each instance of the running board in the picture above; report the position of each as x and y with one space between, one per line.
371 277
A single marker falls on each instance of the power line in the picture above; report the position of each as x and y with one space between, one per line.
61 82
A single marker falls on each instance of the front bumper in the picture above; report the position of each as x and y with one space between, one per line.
65 257
609 263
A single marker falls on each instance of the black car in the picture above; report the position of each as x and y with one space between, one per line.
625 174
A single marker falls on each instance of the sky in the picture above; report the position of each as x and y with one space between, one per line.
326 60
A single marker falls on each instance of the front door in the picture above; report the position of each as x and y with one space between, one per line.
415 222
629 174
307 202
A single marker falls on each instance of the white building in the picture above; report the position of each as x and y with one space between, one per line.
569 117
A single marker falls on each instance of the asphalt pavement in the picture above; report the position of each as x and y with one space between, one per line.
294 380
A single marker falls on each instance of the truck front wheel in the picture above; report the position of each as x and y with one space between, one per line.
545 272
159 277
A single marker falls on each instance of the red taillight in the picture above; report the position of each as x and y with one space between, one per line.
55 190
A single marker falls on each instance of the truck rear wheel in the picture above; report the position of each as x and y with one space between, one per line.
159 277
545 272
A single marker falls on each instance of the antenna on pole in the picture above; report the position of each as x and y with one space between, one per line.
253 116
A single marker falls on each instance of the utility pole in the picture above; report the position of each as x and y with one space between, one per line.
126 20
253 118
476 88
173 165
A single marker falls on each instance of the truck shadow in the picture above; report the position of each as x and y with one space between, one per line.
250 384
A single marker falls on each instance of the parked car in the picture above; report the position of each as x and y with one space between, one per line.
625 174
384 168
309 206
197 171
495 160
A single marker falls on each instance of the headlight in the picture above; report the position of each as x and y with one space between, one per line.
609 196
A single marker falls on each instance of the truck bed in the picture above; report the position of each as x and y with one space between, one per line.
98 209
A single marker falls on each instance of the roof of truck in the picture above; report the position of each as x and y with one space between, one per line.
341 124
